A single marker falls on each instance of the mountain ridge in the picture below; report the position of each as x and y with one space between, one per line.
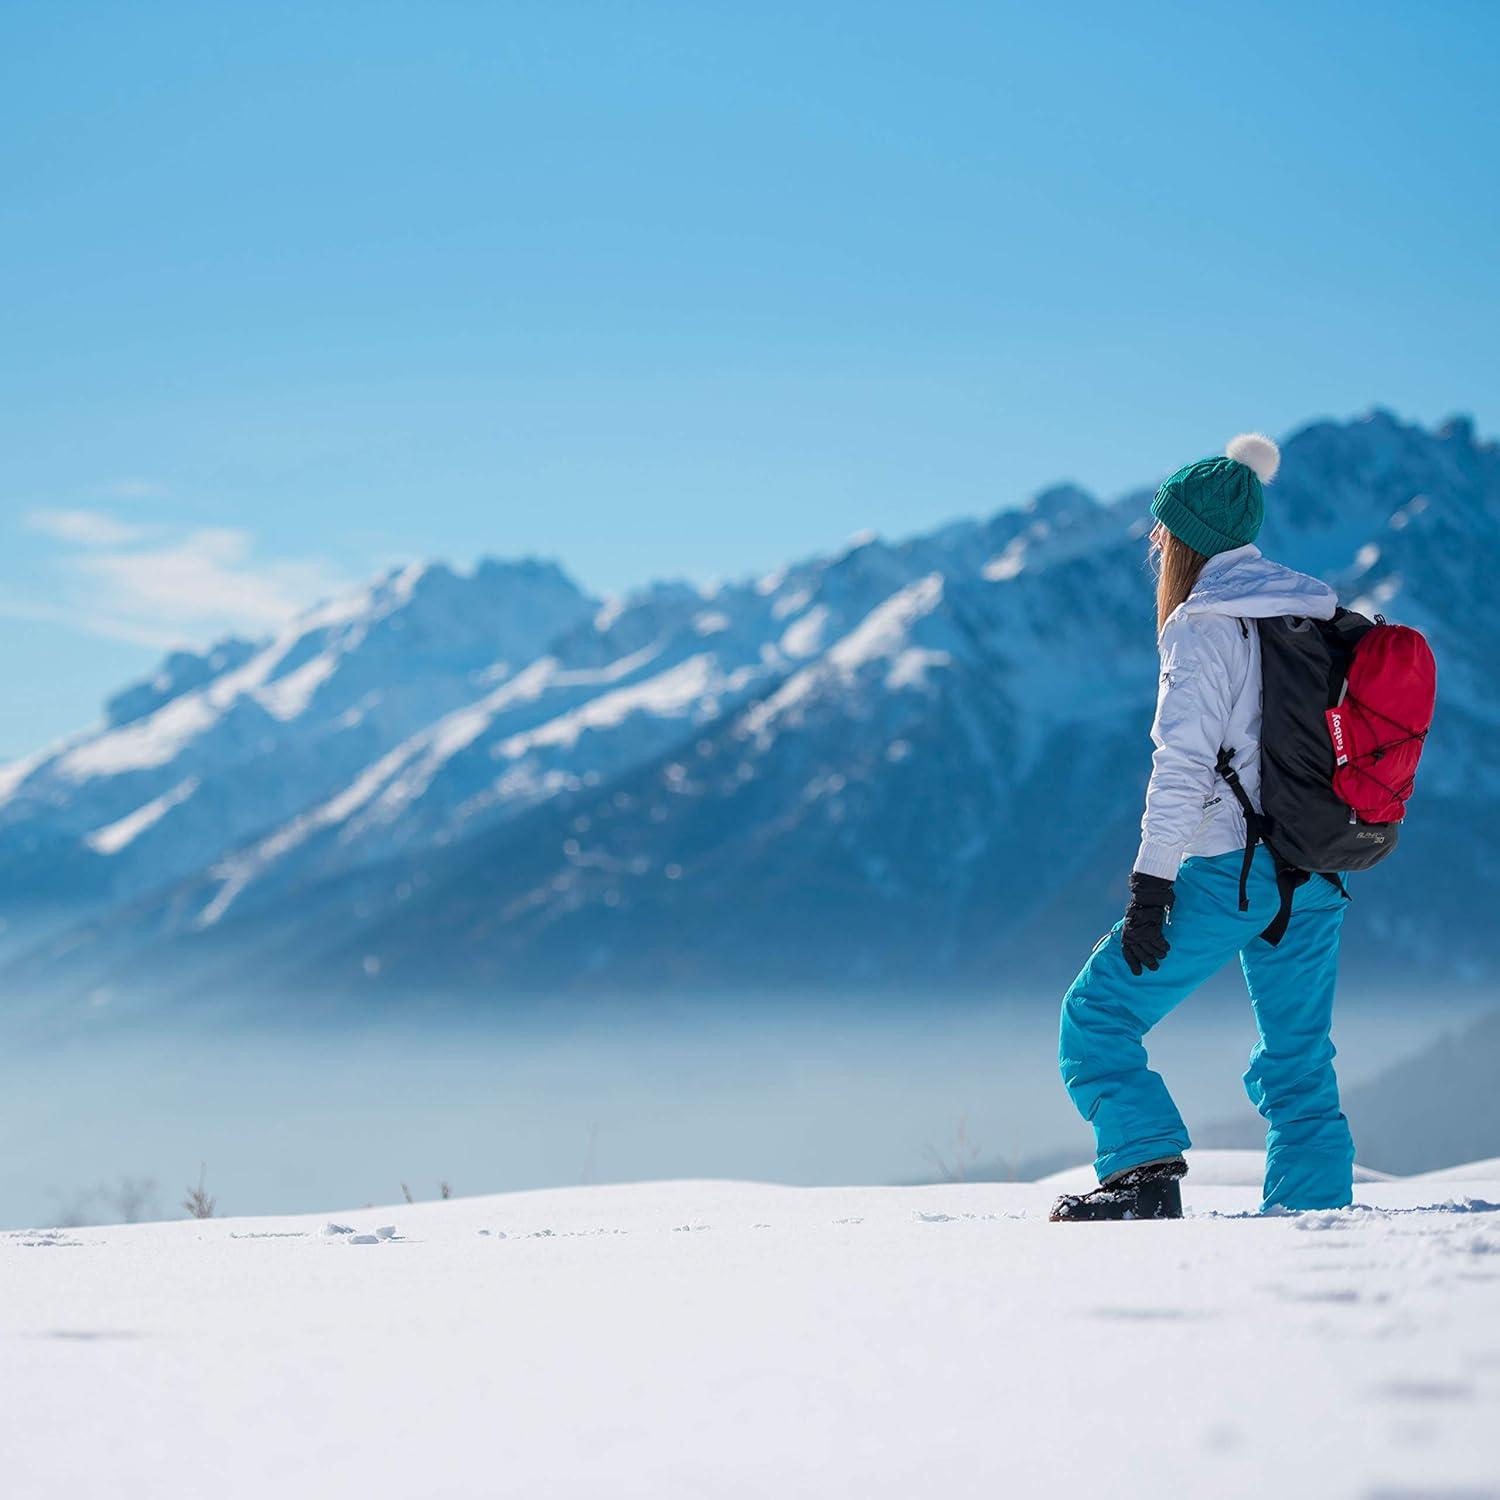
903 761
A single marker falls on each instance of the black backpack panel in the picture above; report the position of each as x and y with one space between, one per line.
1303 667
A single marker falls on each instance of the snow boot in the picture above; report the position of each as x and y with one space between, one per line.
1150 1191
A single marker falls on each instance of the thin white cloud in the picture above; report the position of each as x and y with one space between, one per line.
90 622
205 580
133 489
151 585
85 528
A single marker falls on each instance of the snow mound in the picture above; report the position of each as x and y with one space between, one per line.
1487 1170
1227 1169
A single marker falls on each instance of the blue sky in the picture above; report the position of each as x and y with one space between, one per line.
295 291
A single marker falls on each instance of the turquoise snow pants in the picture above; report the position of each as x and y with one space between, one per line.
1108 1010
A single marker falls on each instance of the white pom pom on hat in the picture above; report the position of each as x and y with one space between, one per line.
1257 452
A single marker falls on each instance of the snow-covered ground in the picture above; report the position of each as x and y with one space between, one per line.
717 1339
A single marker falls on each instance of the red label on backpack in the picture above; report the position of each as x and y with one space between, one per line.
1379 728
1336 729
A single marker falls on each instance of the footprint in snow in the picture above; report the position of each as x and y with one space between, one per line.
556 1234
1345 1296
350 1236
91 1335
1149 1314
1427 1390
1481 1243
1358 1215
922 1218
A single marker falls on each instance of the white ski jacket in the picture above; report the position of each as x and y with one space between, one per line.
1208 697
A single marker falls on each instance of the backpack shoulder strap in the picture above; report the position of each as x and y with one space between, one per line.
1288 876
1346 626
1225 768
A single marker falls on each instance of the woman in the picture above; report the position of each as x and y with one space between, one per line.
1184 919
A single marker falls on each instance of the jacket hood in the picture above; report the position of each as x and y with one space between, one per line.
1246 585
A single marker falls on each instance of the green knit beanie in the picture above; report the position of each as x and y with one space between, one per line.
1217 504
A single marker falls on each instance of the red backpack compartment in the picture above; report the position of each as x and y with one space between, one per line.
1381 723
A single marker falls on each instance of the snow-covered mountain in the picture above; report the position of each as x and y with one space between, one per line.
217 749
905 762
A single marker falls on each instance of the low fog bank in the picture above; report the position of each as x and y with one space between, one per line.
117 1122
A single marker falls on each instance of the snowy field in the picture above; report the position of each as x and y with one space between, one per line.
706 1339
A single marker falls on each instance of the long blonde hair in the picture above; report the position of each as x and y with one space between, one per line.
1177 568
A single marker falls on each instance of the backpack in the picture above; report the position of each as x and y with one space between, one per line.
1346 705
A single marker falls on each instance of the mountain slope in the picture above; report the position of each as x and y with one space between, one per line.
1422 1113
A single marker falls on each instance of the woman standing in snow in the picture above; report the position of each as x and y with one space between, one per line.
1212 582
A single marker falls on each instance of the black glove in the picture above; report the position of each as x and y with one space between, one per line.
1142 939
